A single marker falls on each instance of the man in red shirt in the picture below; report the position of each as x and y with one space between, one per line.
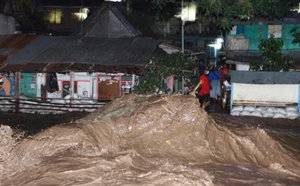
204 91
224 71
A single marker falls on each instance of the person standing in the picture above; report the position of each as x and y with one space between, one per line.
215 82
226 91
204 90
224 72
225 75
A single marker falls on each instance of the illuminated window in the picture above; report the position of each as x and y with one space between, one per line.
55 16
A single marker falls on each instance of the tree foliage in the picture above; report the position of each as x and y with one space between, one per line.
156 72
274 60
228 10
296 34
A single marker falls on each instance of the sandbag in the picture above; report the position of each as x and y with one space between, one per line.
237 108
261 109
235 113
256 114
249 108
292 115
271 109
291 108
281 111
278 115
245 113
268 114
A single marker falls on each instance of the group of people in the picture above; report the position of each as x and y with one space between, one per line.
214 85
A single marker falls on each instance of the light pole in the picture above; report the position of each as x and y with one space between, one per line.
182 28
188 13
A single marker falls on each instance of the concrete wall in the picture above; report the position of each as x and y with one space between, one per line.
265 88
253 33
7 25
250 77
260 94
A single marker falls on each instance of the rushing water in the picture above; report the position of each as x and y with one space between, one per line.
154 140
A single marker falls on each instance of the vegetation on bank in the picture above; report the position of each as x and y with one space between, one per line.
227 10
156 73
273 58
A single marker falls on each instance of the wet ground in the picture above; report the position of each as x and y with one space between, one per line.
149 140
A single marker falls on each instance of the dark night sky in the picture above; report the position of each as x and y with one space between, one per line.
72 2
2 3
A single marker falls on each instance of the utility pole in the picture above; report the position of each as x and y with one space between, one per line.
182 28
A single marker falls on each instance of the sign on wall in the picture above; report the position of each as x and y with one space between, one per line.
28 84
7 85
275 30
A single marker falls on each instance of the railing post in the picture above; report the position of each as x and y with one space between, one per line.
17 91
72 79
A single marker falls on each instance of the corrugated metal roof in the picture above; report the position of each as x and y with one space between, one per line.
124 20
101 51
67 67
31 50
18 41
87 54
11 44
3 58
11 68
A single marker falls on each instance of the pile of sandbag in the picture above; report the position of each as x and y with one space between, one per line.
288 112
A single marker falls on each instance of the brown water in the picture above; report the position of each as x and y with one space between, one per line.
153 140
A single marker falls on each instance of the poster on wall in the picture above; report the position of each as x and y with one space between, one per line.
28 84
275 30
7 85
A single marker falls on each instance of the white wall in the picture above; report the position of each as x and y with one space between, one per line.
240 67
263 94
87 83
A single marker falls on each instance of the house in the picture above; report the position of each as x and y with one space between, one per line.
7 25
244 38
100 61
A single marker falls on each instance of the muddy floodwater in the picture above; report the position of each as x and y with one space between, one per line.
148 140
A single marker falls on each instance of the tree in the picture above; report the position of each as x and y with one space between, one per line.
156 72
273 59
296 34
228 10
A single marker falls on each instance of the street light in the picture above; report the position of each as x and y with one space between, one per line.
217 46
188 13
